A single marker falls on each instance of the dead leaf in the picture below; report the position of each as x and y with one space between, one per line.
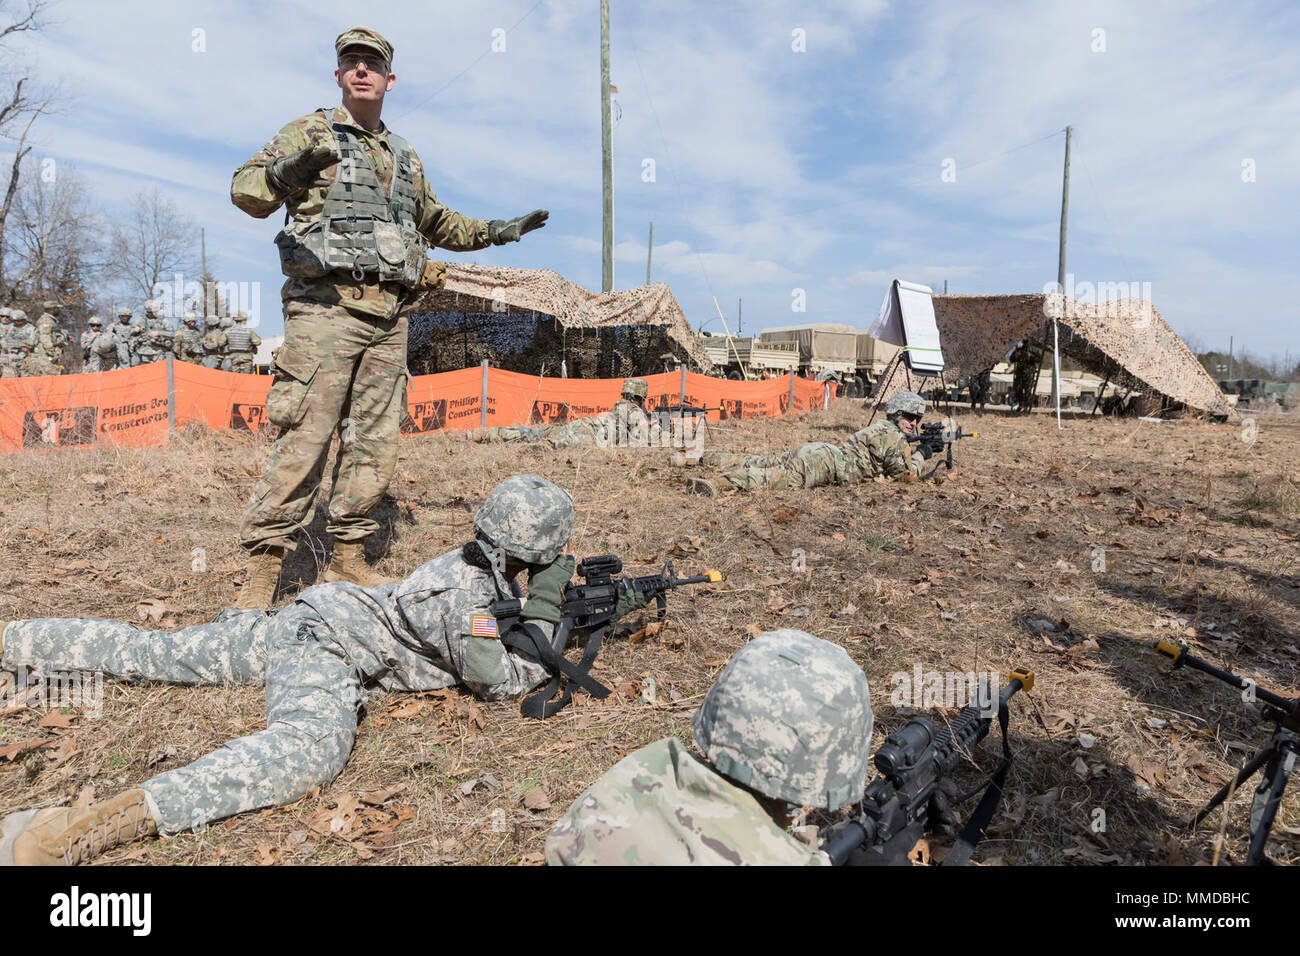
380 795
536 799
57 719
753 630
160 754
14 751
150 609
266 856
920 854
782 514
650 630
837 537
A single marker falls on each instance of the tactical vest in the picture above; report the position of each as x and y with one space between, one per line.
239 339
361 231
212 340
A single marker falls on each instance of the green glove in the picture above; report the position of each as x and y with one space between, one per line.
501 231
629 599
546 590
299 170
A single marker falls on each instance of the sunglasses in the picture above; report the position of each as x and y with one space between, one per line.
351 61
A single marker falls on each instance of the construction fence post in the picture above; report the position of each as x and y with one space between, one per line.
171 398
789 408
482 401
682 398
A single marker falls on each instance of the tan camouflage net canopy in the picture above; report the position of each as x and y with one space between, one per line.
545 316
1124 340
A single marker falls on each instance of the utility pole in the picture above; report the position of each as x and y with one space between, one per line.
649 251
740 322
1060 281
203 254
607 164
1229 356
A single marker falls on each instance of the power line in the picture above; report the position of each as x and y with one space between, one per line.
476 62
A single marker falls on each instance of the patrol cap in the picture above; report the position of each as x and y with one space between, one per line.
366 37
49 304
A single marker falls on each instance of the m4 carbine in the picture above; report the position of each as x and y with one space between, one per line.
588 607
907 799
936 437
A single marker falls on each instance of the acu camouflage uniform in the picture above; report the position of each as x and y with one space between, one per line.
316 657
344 351
789 718
127 336
17 335
878 450
155 338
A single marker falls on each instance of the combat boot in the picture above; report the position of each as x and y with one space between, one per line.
702 486
67 836
348 563
260 579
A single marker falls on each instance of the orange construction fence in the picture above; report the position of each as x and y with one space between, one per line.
140 406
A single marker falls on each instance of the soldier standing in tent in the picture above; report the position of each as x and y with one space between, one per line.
241 345
362 218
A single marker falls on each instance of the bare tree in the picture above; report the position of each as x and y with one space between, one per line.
54 236
150 244
18 107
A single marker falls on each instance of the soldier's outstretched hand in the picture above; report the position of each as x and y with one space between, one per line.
501 231
299 170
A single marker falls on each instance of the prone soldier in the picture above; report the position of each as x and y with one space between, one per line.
315 657
625 423
733 800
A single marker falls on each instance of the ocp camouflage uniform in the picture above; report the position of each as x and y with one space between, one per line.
155 339
878 450
241 343
50 339
661 805
213 342
344 351
315 656
35 365
188 345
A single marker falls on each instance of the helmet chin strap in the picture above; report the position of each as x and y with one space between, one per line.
497 557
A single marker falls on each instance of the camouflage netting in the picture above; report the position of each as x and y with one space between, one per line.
548 319
1125 341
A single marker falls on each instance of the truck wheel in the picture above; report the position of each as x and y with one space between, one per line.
735 376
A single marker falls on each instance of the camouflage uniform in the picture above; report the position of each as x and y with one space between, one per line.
879 450
126 334
103 353
314 656
789 719
50 337
19 334
155 339
344 351
625 424
188 343
214 340
241 344
34 364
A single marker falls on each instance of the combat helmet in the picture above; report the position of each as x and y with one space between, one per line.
526 518
5 312
152 307
909 403
123 311
637 388
18 315
95 320
789 717
190 317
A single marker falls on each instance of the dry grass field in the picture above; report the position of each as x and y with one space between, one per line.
1000 565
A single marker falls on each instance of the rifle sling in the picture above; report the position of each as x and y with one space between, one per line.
973 831
529 639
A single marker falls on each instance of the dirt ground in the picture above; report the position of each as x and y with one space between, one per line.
1069 553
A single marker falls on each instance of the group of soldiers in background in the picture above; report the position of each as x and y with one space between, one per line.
29 350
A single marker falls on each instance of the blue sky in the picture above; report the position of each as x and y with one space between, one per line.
775 169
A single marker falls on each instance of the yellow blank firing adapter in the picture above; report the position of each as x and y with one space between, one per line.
714 576
1169 649
1024 675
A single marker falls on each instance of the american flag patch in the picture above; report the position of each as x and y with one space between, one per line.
482 626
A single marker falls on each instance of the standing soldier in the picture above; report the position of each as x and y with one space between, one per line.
188 344
6 326
362 218
50 336
103 352
156 339
241 345
126 333
214 340
20 334
34 363
94 329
